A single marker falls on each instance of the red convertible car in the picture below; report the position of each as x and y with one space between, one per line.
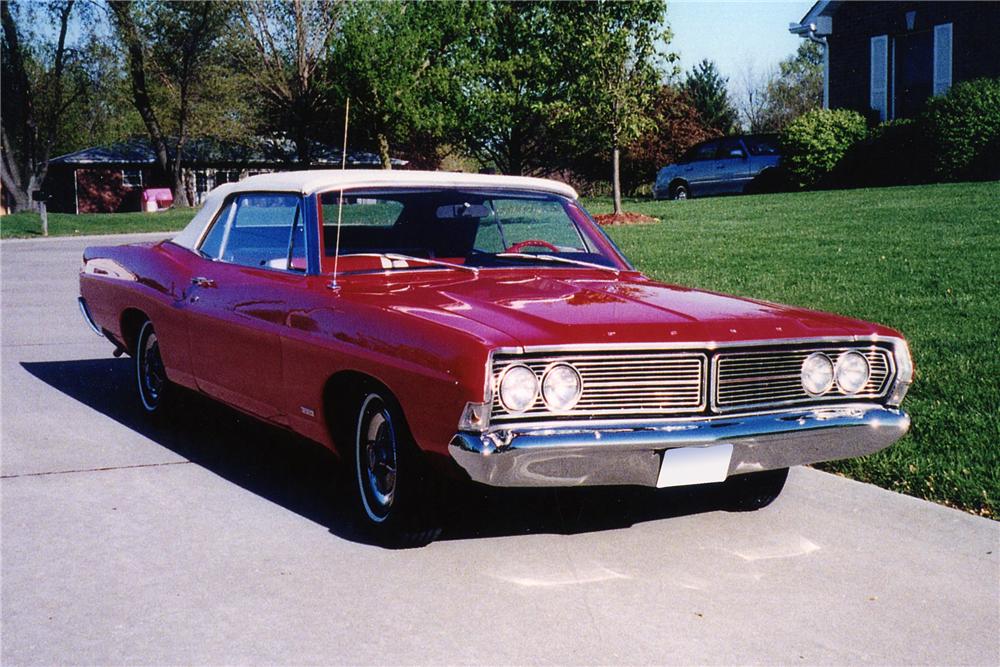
421 324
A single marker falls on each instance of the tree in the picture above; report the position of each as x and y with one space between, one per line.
706 89
753 101
173 41
676 126
290 41
797 88
513 88
616 77
397 62
35 96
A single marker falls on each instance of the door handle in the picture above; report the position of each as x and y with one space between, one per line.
202 282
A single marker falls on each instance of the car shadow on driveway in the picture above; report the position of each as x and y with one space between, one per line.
304 477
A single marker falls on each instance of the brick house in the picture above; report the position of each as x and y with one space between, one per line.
112 178
885 59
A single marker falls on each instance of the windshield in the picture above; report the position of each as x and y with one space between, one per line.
472 228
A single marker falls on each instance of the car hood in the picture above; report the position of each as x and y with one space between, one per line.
564 308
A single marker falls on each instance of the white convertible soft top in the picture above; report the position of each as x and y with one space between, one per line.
310 182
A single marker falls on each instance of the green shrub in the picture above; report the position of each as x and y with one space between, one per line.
964 127
896 152
815 142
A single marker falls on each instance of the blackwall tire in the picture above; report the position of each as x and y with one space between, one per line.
154 390
754 491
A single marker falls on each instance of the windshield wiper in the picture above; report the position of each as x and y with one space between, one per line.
397 257
557 260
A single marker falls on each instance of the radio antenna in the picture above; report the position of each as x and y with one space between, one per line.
340 201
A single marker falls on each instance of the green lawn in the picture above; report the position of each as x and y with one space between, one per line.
924 260
29 225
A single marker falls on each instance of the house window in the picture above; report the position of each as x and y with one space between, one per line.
913 72
132 178
879 84
226 177
942 58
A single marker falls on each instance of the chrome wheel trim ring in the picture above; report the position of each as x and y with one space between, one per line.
150 373
376 456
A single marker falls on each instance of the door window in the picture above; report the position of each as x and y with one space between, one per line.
730 148
261 230
704 152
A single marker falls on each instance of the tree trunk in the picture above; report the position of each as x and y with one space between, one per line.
178 188
26 162
616 181
129 33
302 147
383 151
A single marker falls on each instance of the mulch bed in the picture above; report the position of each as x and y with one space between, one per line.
609 219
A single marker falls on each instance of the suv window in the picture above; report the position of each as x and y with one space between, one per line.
705 151
761 145
259 229
727 146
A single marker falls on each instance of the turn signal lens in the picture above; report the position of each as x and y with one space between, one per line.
518 388
561 387
817 374
852 372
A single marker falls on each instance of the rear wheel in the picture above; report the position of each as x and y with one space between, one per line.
679 192
754 491
153 388
394 490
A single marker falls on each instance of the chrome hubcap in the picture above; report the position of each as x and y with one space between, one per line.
376 458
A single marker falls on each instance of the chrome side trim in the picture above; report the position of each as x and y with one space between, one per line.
588 456
87 317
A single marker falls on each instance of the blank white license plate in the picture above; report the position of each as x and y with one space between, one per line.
694 465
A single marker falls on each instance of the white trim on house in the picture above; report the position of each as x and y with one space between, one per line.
892 81
942 58
879 79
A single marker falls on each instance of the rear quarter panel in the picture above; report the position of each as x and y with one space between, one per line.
147 278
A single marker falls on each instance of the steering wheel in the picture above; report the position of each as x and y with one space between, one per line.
532 242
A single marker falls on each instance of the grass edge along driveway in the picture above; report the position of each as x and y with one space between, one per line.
924 260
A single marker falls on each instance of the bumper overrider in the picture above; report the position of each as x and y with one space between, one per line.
674 452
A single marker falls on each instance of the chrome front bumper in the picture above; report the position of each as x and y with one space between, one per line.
584 455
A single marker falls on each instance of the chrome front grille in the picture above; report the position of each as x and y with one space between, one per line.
749 379
616 384
651 384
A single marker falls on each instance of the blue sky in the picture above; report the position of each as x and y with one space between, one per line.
734 34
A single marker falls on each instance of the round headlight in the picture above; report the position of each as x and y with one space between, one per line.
817 374
852 372
561 387
518 388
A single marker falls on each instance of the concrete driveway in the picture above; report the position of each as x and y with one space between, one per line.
216 540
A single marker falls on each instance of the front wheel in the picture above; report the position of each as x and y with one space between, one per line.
393 488
153 388
679 192
754 491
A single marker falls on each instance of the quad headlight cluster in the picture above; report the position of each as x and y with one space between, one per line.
849 373
560 387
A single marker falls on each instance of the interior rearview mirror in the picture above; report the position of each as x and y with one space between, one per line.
466 210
